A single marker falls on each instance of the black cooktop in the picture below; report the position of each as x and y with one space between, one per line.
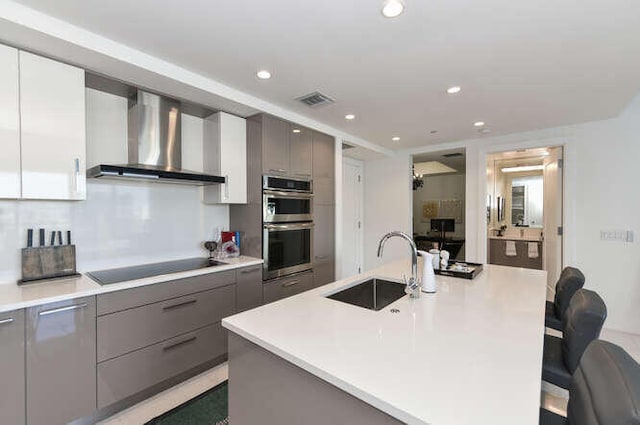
105 277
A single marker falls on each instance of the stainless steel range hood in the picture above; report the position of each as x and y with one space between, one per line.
155 145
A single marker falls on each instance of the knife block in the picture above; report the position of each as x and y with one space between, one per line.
48 262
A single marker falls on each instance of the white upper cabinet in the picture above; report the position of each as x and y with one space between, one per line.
225 154
9 124
53 135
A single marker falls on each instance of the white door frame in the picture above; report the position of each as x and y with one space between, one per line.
568 190
361 165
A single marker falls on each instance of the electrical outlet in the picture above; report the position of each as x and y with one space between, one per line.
617 235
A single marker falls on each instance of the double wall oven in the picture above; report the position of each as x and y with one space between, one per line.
287 220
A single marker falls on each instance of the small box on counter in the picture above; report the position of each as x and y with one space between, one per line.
464 270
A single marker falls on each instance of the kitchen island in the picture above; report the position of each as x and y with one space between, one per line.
469 354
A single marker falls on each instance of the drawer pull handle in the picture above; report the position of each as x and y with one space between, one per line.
249 271
321 257
7 321
62 309
178 344
291 283
182 304
277 170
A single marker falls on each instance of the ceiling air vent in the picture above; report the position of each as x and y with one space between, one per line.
452 155
315 99
346 146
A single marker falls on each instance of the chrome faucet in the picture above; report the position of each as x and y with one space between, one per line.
413 286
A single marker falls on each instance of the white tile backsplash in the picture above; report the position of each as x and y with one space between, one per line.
121 223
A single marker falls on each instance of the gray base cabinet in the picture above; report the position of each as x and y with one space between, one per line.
12 370
268 390
129 330
127 375
277 289
61 361
249 288
497 254
154 333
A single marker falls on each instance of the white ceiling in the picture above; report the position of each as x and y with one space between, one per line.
459 163
521 65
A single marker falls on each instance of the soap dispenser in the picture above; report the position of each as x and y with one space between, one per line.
428 275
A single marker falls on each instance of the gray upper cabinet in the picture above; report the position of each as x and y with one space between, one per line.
61 361
323 168
301 151
12 404
275 149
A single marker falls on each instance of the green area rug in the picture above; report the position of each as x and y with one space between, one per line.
209 408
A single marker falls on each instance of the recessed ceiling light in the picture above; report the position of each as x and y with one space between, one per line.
392 8
395 138
478 124
349 117
454 89
263 74
296 130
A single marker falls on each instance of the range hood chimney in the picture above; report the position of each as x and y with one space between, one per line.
155 145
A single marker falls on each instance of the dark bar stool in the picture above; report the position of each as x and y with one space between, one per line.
571 279
582 324
605 390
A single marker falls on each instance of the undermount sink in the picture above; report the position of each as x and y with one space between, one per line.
373 294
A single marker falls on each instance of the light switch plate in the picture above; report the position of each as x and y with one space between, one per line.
617 235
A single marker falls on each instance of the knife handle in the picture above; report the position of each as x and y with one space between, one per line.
60 236
68 237
29 238
53 237
41 237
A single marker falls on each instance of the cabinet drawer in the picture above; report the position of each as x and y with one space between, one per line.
129 374
277 289
125 331
130 298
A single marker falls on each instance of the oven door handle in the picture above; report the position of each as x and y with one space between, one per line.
294 226
292 194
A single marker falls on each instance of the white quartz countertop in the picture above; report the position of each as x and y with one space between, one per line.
13 296
469 354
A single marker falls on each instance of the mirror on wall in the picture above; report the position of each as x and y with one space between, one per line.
526 201
515 188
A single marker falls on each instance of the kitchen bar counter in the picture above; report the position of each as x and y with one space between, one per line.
469 354
13 296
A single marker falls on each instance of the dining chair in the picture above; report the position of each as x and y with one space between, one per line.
605 389
571 279
582 324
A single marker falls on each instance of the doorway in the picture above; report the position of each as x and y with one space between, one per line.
352 201
524 209
439 190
